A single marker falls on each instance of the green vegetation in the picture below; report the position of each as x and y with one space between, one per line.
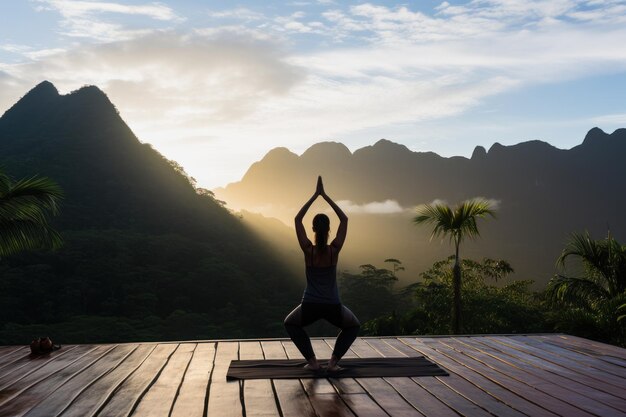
25 206
592 305
424 305
457 224
591 295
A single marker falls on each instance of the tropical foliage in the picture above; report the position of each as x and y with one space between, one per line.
509 308
457 224
590 292
25 207
369 293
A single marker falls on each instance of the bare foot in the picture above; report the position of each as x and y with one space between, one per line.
313 365
334 368
311 368
332 365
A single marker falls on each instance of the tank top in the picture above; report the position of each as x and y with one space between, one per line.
321 284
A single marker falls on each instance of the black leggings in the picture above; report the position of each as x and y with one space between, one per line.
336 314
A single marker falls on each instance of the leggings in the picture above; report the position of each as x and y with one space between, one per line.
336 314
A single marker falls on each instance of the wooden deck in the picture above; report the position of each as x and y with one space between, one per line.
529 375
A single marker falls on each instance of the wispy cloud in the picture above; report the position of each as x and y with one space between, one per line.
374 207
242 13
80 9
90 19
618 118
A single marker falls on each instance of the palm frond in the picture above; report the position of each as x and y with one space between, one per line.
582 292
438 214
41 190
23 235
458 222
604 259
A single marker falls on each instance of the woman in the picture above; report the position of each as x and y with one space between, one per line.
321 297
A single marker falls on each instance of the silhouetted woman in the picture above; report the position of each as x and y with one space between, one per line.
321 297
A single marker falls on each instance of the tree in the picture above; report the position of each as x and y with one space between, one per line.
397 265
24 209
600 287
370 293
510 307
457 223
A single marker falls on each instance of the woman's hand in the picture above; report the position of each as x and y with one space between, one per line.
320 187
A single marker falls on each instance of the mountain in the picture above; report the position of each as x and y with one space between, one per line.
543 194
147 256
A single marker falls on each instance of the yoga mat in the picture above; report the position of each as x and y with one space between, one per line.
353 368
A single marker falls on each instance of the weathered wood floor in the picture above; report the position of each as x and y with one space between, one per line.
530 375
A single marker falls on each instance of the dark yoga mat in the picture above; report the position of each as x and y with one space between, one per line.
353 368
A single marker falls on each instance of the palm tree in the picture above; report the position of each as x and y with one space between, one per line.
601 290
24 209
457 223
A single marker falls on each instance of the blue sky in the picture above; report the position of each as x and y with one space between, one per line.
217 84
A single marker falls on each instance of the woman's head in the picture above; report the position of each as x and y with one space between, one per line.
321 227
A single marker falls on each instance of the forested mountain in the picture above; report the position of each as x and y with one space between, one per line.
543 194
146 254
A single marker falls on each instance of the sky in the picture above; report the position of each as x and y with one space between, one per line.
215 85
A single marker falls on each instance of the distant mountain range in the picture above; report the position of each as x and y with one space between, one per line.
144 249
543 194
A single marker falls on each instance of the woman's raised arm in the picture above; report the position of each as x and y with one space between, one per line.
342 231
303 240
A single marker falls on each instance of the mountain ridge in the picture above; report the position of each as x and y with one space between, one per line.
141 240
545 194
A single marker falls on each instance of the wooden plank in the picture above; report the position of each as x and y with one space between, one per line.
519 377
46 383
563 361
585 360
342 385
159 399
4 350
592 345
437 387
16 382
416 395
23 366
583 349
129 392
349 390
291 395
62 397
224 396
385 395
11 355
474 394
575 379
258 394
323 397
93 396
579 382
513 400
363 406
192 397
538 397
311 385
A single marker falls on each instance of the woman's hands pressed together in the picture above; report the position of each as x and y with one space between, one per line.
319 190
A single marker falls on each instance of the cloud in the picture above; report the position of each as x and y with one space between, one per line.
375 207
168 78
242 13
79 9
256 80
495 204
84 19
617 118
